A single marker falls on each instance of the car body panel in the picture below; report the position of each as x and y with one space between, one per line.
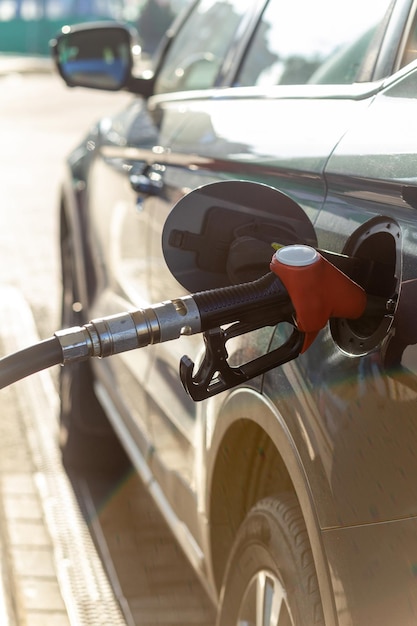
126 227
382 170
373 573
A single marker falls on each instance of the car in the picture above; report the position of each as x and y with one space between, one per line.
293 493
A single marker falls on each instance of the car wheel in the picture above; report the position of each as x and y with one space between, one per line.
270 578
87 440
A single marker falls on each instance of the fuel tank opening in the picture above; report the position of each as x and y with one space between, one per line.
378 243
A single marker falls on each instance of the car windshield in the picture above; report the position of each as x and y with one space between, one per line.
305 42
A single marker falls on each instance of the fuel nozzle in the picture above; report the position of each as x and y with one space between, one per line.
303 289
253 303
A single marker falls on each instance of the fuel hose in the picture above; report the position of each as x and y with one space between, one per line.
158 323
30 360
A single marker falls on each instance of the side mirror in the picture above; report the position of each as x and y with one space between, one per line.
98 56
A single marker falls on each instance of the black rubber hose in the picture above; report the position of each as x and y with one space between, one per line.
30 360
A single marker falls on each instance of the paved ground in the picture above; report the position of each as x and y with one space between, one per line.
41 122
31 592
10 63
50 569
51 572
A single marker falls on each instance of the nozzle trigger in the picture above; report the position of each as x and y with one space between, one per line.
215 375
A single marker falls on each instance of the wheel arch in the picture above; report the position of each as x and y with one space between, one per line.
252 456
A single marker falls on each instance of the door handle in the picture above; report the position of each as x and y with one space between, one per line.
149 183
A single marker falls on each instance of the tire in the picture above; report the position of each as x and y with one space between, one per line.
271 564
87 440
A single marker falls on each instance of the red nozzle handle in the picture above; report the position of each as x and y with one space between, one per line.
318 290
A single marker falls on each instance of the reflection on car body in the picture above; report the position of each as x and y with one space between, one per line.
313 464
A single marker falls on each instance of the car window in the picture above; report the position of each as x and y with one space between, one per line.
196 55
410 49
311 42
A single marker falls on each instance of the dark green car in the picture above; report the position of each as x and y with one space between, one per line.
293 494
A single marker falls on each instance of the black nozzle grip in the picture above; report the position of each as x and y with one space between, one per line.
247 301
246 307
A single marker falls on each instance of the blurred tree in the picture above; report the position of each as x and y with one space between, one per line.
155 18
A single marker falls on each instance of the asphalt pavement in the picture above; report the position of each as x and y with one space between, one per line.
50 572
15 64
